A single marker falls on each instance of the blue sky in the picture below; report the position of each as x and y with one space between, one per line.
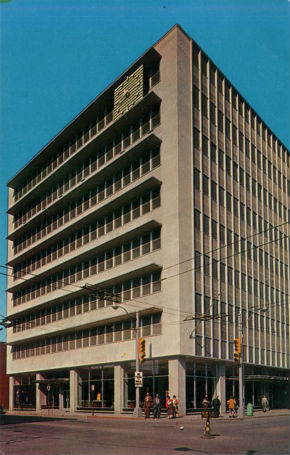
57 55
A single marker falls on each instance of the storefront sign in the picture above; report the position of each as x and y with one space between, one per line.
138 379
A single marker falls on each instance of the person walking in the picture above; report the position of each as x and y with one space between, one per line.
232 406
175 406
169 407
147 405
156 407
265 403
216 406
205 403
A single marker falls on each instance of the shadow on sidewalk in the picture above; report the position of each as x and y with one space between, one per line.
18 419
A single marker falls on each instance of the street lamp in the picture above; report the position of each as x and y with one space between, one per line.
5 323
137 410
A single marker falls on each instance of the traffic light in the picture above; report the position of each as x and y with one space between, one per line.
141 350
237 349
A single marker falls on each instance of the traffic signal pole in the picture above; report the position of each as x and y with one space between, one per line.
241 372
137 410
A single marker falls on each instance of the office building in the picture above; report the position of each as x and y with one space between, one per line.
166 197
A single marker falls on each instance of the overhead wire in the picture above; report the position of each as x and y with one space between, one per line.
166 278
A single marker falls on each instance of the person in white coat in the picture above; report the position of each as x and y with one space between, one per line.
265 403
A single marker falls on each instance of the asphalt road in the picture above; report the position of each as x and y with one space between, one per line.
104 436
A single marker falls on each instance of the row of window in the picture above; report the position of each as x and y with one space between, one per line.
221 349
253 253
268 233
111 258
254 317
206 70
150 325
239 209
102 119
103 190
102 226
127 290
233 168
88 200
232 132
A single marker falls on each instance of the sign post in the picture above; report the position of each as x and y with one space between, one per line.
138 379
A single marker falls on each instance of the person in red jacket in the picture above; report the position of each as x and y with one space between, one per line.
175 406
147 405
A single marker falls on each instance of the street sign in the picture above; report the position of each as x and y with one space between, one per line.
138 379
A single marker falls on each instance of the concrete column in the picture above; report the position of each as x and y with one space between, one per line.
125 388
221 385
40 396
176 380
11 393
60 396
118 388
73 389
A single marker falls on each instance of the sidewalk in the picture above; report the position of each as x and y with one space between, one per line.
91 416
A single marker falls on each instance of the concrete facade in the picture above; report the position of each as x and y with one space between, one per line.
168 196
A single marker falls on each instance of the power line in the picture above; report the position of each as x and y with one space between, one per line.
224 258
111 296
228 244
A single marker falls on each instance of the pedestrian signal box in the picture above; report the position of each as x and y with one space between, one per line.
141 349
237 349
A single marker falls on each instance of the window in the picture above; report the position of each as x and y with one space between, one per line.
196 180
206 264
204 102
197 219
206 225
212 114
213 152
229 202
220 121
213 191
221 197
204 146
214 229
242 176
195 97
228 165
205 185
221 159
235 171
195 138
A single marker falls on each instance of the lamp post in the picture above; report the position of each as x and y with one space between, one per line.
137 410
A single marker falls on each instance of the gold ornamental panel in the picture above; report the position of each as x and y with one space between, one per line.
128 93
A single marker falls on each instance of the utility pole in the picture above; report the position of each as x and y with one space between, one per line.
137 410
241 370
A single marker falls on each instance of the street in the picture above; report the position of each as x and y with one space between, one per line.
101 435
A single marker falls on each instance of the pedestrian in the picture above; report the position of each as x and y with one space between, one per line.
265 403
205 402
232 406
147 405
156 407
216 406
169 407
175 406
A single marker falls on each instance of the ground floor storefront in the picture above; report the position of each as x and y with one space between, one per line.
111 387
